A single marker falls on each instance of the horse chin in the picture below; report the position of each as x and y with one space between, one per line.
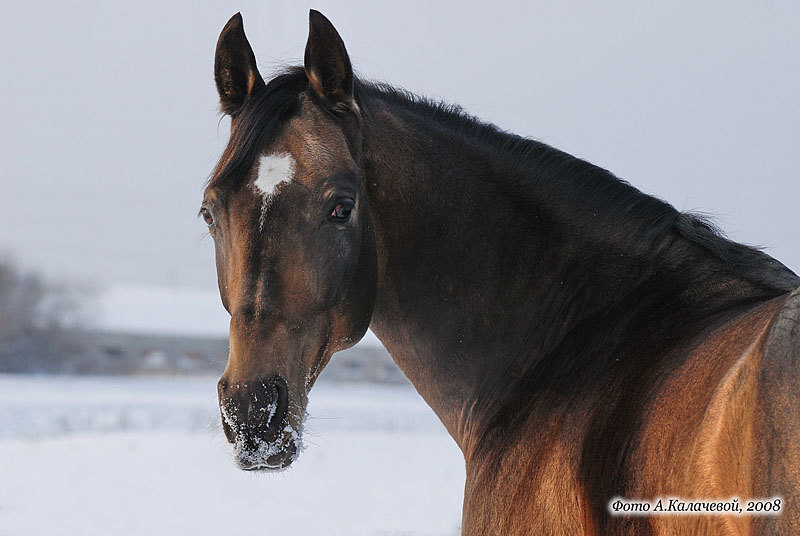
269 456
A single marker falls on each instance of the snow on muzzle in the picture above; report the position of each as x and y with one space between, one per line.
255 419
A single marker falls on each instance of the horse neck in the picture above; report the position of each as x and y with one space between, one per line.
484 269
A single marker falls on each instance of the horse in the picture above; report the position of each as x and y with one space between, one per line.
586 345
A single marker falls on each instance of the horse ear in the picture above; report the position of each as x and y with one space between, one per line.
327 64
235 70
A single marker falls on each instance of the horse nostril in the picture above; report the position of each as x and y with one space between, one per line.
268 408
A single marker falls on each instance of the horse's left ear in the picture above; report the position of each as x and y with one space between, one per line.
327 64
235 70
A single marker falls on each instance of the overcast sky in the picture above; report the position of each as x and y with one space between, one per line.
110 123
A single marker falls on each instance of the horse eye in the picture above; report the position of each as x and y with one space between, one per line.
341 212
207 217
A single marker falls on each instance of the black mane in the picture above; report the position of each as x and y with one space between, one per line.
524 157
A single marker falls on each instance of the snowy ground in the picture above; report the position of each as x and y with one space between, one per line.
145 456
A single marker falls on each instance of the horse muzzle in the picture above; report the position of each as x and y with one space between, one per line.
257 422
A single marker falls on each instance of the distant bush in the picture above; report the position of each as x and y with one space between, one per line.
35 317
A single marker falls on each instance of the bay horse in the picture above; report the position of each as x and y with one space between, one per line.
581 341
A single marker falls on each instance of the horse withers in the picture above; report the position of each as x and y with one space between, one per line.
584 344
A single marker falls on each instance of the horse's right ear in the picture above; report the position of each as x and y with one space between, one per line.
235 70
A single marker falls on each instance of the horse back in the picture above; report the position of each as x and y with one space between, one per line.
776 470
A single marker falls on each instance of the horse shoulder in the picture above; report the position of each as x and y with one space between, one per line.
704 432
533 489
724 424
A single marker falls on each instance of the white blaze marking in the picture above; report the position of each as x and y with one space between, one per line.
273 170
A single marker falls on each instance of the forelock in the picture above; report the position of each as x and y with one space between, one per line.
258 124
